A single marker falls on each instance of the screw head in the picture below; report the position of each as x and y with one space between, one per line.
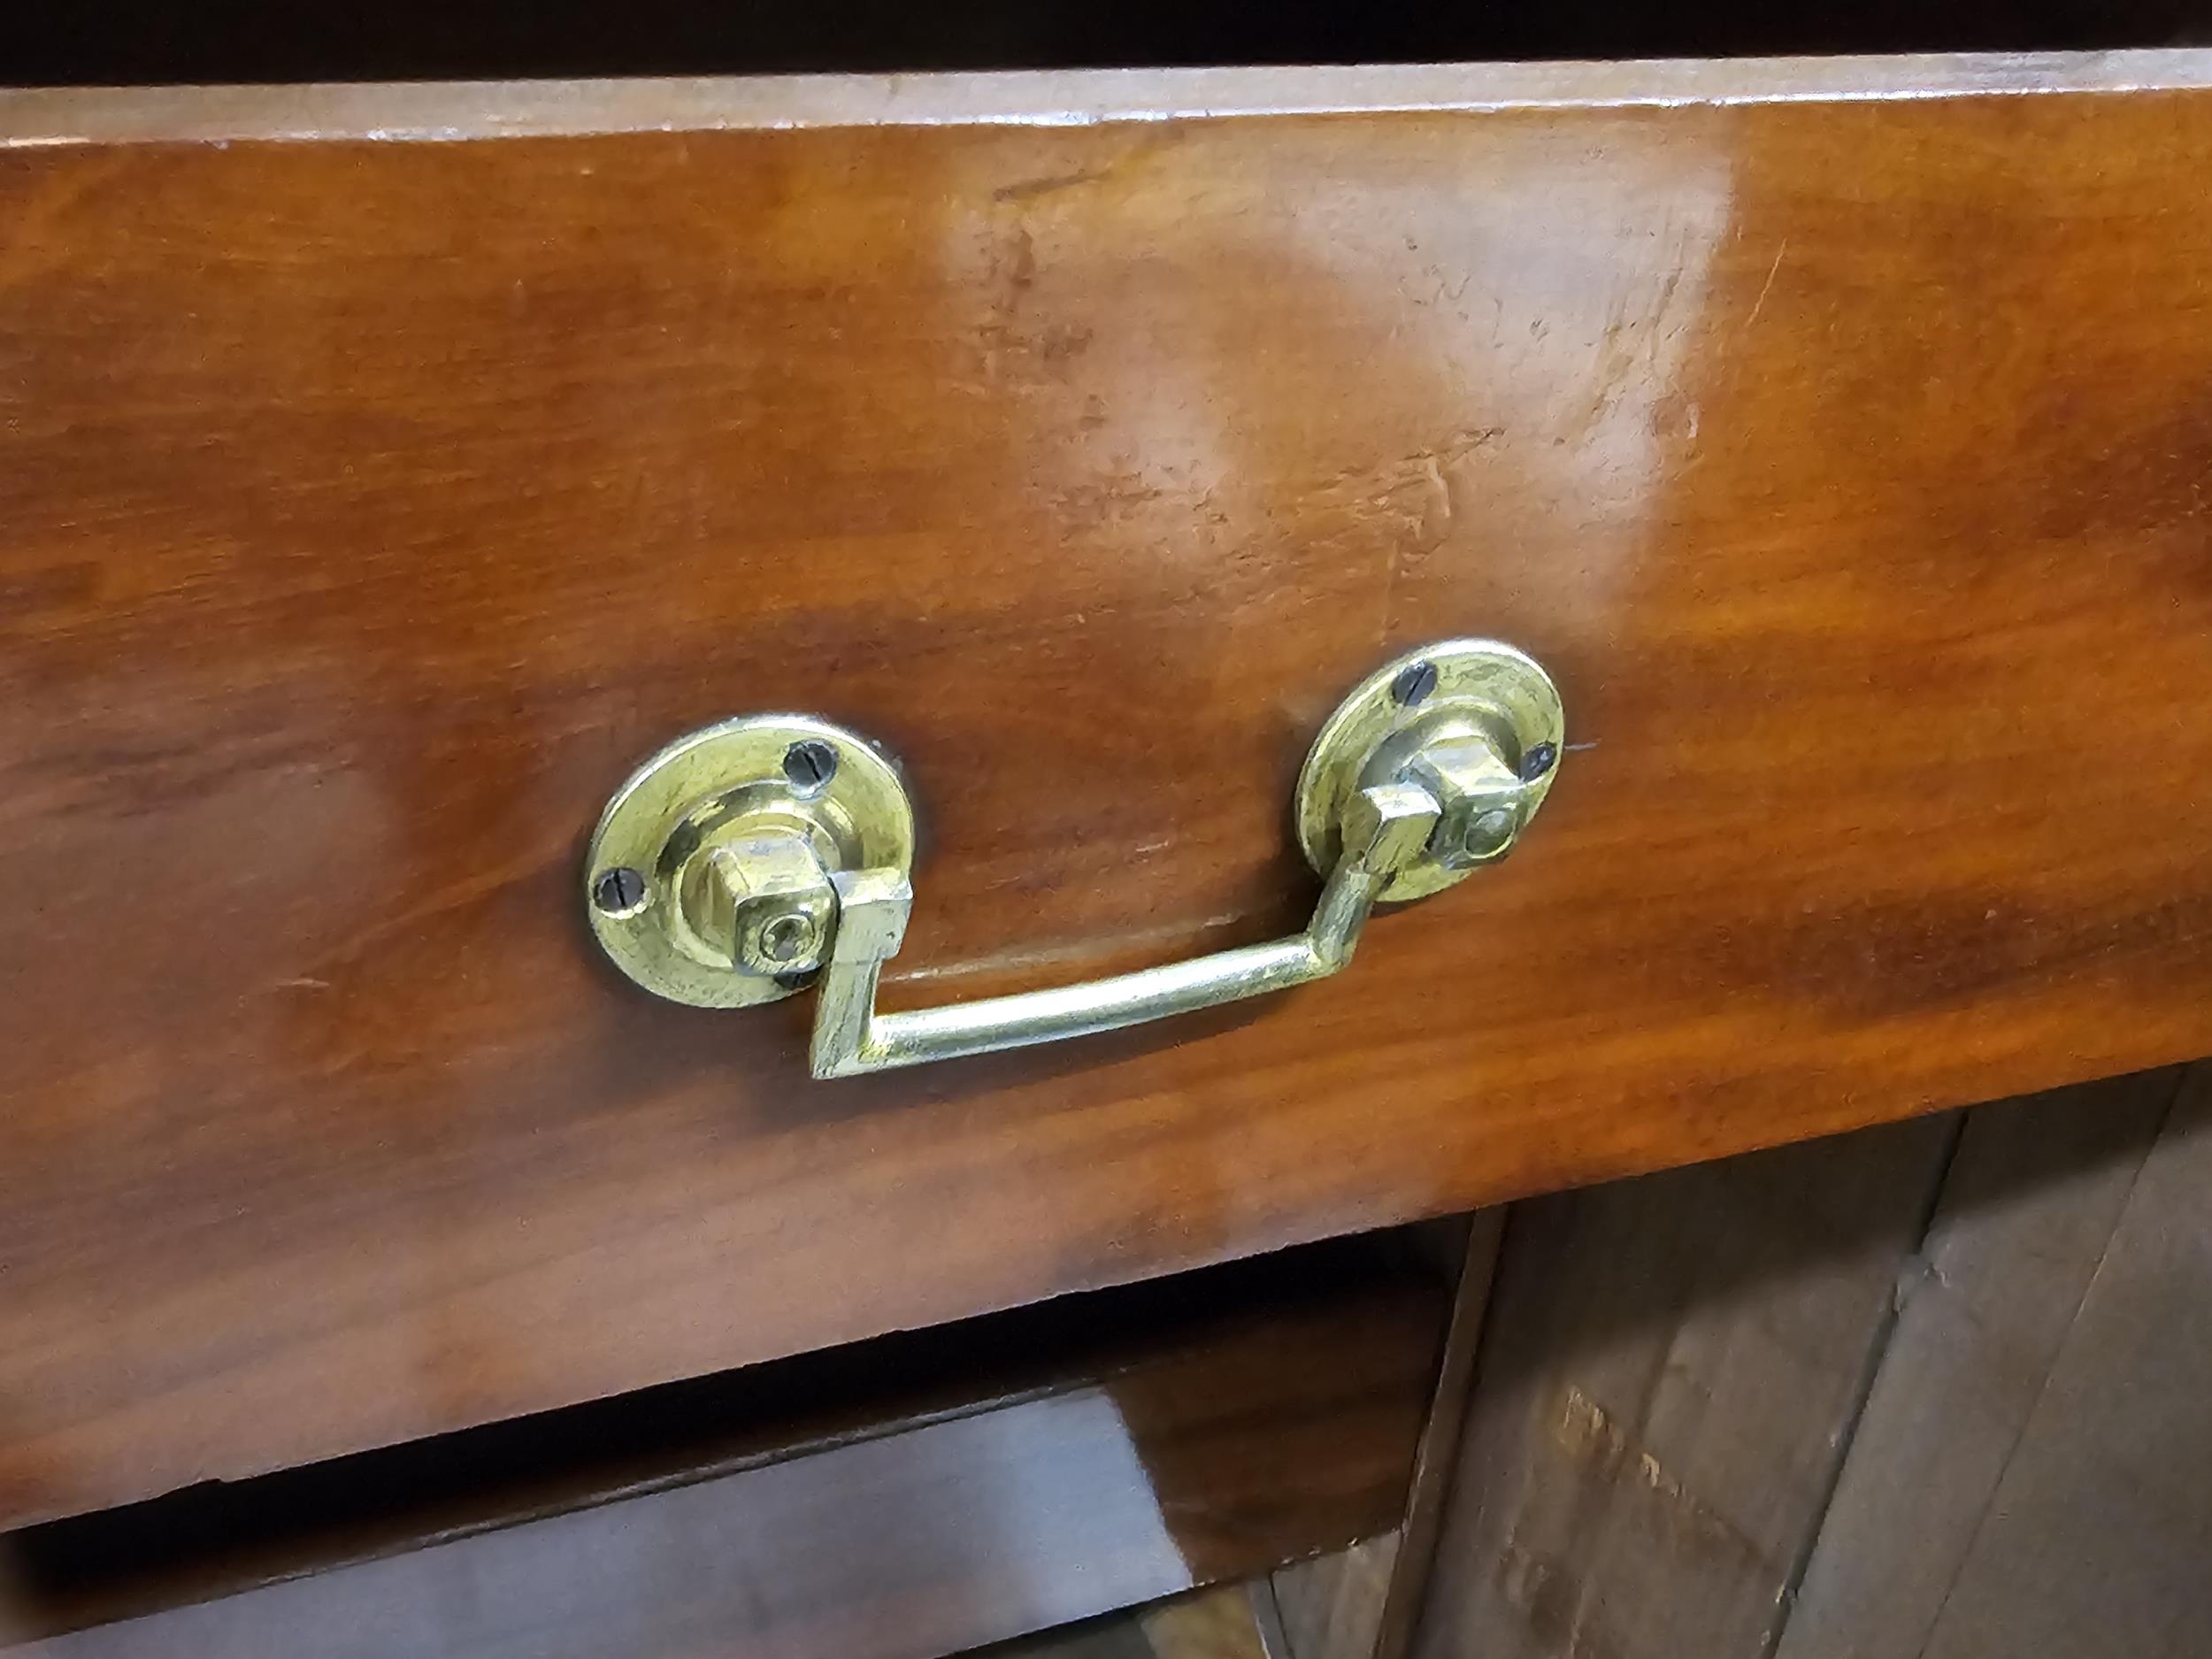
1413 684
619 891
810 764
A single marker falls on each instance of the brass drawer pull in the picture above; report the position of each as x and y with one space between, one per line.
743 861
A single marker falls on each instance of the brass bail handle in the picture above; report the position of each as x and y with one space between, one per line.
749 860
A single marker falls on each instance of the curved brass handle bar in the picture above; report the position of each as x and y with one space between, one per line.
1385 827
751 859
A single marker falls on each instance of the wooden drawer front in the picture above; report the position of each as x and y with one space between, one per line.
370 506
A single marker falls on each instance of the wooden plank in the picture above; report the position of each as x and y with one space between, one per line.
1362 1602
1227 1622
1672 1366
373 507
2097 1534
2024 1226
118 110
1119 1636
1332 1607
909 1499
1437 1456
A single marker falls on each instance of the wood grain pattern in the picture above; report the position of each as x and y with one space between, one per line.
908 1497
370 508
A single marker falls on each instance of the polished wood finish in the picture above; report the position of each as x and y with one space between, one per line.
372 507
906 1498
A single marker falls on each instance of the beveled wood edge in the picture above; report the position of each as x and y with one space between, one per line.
447 111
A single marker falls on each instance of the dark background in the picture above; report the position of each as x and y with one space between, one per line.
141 41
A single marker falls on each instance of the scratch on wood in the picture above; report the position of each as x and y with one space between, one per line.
1768 286
1409 497
1027 189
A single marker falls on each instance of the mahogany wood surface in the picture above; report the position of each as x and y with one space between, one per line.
368 509
906 1497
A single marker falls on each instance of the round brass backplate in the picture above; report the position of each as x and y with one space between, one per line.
763 768
1487 682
